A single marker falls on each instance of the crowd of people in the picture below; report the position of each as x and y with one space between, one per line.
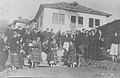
25 47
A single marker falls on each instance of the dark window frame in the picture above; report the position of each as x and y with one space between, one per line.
80 20
73 19
91 22
97 22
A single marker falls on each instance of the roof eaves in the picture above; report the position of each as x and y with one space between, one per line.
96 12
85 9
38 13
67 9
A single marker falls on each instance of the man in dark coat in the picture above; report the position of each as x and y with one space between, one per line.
3 54
33 35
94 43
15 43
46 34
65 38
22 32
77 42
25 42
39 34
80 41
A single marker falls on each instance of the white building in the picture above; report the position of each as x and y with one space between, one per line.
20 23
69 16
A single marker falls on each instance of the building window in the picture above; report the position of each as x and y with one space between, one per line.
80 20
90 22
73 19
58 18
55 18
97 22
62 19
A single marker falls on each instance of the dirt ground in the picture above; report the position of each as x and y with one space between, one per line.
63 72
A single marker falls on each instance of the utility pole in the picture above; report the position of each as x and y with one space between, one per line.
2 12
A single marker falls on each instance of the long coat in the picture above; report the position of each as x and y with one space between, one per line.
79 40
14 46
3 55
94 45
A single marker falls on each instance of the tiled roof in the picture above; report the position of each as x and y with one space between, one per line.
71 7
24 21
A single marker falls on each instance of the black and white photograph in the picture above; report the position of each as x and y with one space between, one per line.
59 38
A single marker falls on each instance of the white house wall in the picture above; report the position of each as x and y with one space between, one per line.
103 19
48 15
47 21
19 24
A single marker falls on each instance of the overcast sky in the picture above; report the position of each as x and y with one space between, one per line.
28 8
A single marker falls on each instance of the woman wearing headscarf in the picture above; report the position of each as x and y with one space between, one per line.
115 47
52 54
35 56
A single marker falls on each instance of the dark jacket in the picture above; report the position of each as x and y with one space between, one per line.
14 45
47 35
39 34
80 39
116 39
33 35
3 56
